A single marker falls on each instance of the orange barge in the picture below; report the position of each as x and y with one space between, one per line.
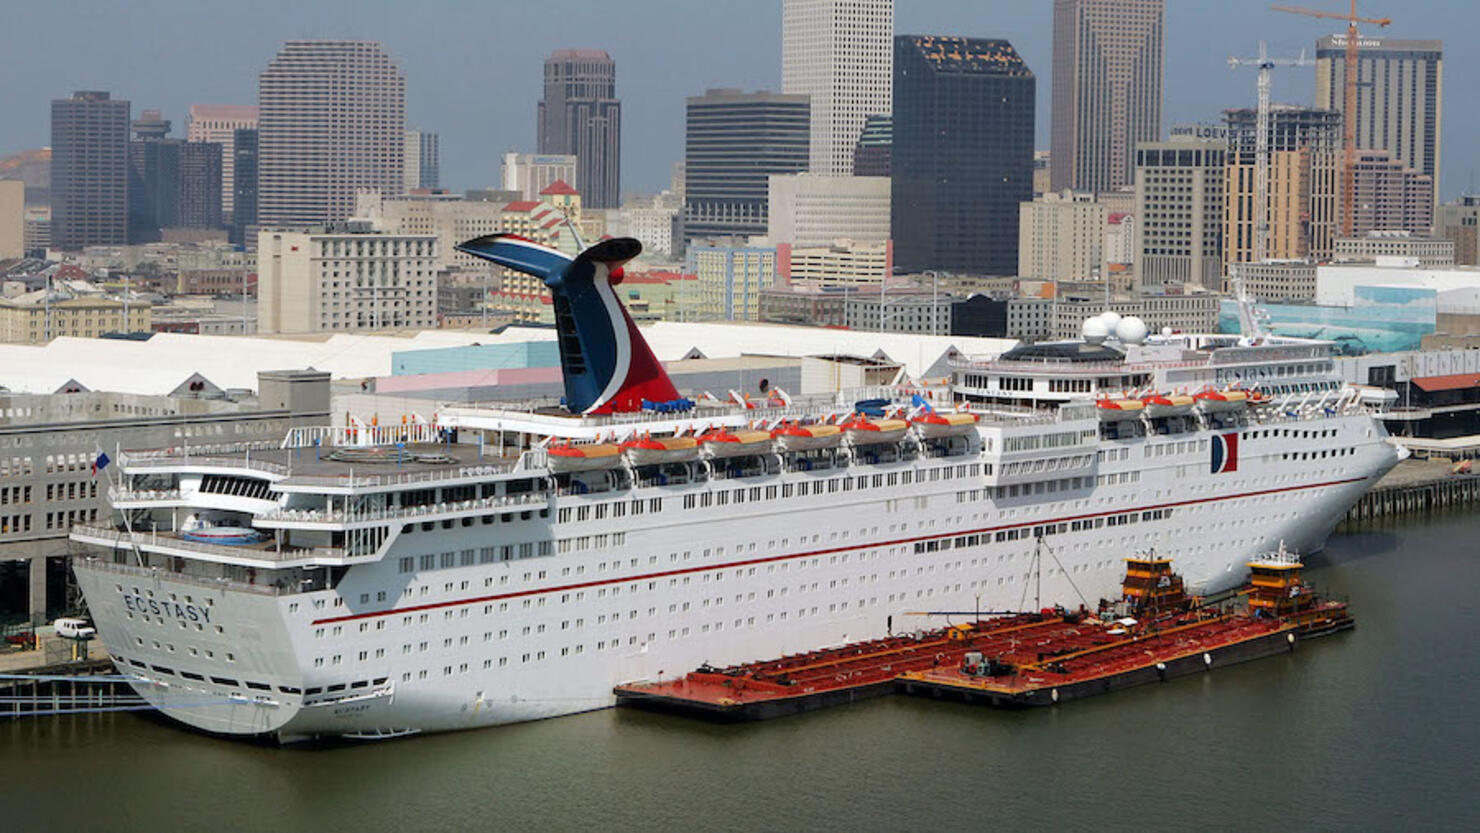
1155 633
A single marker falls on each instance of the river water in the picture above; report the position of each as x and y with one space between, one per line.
1373 729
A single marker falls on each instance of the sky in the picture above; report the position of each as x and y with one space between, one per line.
473 70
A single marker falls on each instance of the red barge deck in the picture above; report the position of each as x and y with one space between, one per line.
1032 659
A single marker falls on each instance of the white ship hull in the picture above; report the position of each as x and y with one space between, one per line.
658 593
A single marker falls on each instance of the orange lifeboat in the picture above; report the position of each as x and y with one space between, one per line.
864 431
648 450
568 456
933 425
797 437
1114 410
1222 401
723 443
1167 405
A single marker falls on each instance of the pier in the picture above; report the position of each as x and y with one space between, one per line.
1417 486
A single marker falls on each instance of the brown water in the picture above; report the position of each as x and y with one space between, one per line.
1374 729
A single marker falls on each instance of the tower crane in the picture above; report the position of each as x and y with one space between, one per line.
1261 141
1349 113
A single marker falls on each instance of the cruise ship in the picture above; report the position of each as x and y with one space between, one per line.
497 565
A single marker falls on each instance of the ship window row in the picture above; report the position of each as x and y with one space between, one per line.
1183 447
469 557
1044 487
1318 455
1119 478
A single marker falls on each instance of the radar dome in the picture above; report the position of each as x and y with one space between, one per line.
1131 330
1111 318
1094 330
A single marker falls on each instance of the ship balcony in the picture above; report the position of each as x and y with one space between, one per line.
339 518
264 555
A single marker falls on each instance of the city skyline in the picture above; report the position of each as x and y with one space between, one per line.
98 49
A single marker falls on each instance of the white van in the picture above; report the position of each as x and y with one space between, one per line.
74 629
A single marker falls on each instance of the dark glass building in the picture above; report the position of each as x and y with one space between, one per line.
733 141
962 153
580 114
871 154
89 170
172 183
244 194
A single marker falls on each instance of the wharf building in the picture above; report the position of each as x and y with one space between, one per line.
1061 237
1400 95
811 210
733 141
89 171
962 155
423 160
331 120
49 443
218 124
1304 183
580 115
1179 212
838 53
345 276
1107 89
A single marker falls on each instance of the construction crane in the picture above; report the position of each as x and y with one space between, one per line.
1261 141
1349 113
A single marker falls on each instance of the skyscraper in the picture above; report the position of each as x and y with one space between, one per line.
839 53
871 154
962 158
423 160
580 115
1399 95
1179 211
89 170
1304 181
172 183
218 123
1107 79
331 120
244 184
732 142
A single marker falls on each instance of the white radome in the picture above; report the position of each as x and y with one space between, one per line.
1094 330
1131 330
1111 319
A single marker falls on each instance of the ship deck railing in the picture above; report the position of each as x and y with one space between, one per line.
388 513
311 582
118 495
155 541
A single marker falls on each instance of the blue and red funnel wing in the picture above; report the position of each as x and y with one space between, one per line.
606 363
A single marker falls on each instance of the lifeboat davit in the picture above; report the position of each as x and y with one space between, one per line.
932 425
798 437
1112 410
583 456
864 431
652 451
723 443
1168 405
1222 401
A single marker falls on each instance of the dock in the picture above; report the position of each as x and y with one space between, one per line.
1415 486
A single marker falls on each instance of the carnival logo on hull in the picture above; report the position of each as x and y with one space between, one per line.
1225 453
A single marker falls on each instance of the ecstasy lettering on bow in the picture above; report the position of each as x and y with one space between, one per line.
157 607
